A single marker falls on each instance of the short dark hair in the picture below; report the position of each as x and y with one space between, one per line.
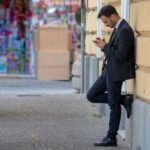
107 11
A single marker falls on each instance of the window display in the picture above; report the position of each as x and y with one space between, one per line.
15 37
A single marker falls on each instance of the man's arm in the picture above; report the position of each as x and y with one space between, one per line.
122 50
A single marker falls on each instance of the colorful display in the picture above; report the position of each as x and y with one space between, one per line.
15 37
57 12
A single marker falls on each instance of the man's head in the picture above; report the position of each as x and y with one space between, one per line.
109 16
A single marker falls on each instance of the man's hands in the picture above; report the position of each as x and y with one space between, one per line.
100 42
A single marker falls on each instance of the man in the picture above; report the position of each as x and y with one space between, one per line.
119 66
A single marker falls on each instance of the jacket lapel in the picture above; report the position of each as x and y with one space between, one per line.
115 34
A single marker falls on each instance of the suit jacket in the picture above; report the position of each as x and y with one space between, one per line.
120 53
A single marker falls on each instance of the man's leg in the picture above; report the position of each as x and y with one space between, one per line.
97 94
114 99
126 101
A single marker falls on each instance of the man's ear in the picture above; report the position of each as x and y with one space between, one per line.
112 16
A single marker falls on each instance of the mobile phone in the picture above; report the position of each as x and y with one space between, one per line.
95 41
98 38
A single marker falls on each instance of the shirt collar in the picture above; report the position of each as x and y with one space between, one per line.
118 23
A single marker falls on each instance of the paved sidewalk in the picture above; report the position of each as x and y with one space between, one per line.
53 122
34 87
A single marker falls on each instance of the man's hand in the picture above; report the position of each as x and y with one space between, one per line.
101 43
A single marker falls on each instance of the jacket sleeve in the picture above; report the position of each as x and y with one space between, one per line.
121 51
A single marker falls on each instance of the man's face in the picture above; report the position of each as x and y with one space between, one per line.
108 21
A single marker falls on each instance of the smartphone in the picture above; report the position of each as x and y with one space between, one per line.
98 38
95 41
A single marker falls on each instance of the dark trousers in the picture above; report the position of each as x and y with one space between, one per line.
113 98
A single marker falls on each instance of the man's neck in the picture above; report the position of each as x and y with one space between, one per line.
118 22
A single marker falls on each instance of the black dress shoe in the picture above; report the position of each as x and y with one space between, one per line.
106 142
128 104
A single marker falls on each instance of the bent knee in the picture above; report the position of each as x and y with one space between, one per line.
89 97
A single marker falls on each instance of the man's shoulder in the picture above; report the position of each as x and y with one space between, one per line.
126 27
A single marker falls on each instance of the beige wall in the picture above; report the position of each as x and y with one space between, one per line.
91 26
140 22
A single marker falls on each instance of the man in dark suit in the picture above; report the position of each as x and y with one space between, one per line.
119 65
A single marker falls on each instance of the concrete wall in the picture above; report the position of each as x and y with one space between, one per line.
138 127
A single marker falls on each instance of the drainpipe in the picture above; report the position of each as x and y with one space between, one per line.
100 107
82 47
125 11
99 31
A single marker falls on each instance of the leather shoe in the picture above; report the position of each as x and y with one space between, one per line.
106 142
128 104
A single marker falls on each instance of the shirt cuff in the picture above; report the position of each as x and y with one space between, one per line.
105 49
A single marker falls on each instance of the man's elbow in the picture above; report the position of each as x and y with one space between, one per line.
122 57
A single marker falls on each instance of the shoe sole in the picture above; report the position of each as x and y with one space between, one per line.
105 145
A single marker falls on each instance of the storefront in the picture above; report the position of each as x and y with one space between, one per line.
54 23
16 49
17 24
55 13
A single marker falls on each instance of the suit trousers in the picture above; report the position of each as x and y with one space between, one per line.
97 94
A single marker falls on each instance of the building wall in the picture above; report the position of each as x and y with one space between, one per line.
91 64
140 22
91 24
137 128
